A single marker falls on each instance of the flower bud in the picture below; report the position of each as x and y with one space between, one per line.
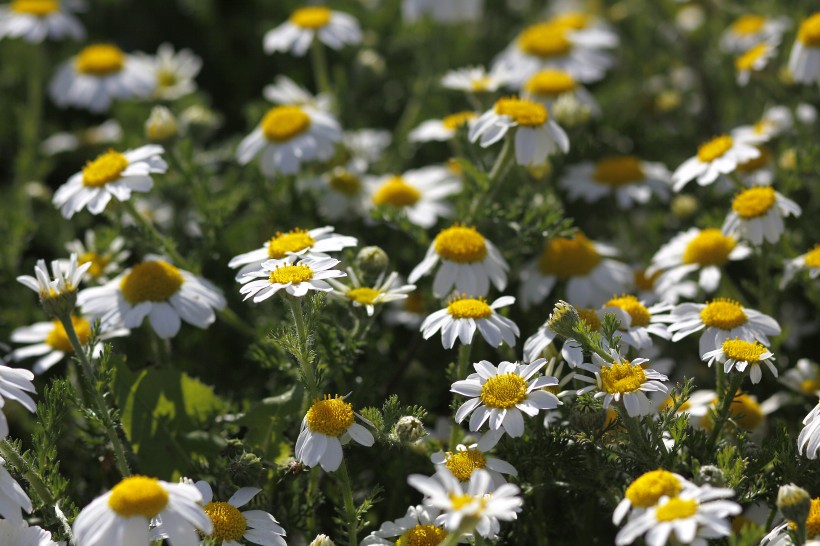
710 475
372 261
161 125
571 112
564 319
409 429
684 206
322 540
794 503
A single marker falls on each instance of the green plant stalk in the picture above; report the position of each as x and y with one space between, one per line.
313 487
17 461
350 508
30 122
461 372
499 168
320 71
452 538
724 405
633 428
153 233
304 350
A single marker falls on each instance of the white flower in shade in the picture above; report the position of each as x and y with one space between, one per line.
646 490
111 174
442 129
629 179
174 71
808 442
49 342
66 279
333 28
104 260
38 20
803 378
692 516
328 424
467 459
230 525
384 290
694 250
420 193
287 137
418 526
715 158
155 289
754 60
637 320
286 92
804 60
443 11
99 74
751 29
809 261
474 79
464 314
721 319
758 171
744 411
409 312
296 242
549 85
475 501
107 132
340 191
536 136
623 381
295 278
122 515
775 121
367 145
499 396
14 385
586 266
468 263
757 215
13 500
736 354
20 534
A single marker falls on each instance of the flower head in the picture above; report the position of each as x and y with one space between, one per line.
464 314
295 277
328 423
333 28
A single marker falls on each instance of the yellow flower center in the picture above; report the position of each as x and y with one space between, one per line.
747 60
282 123
105 169
709 247
648 488
590 316
98 263
723 313
812 258
462 463
550 82
758 162
504 391
574 20
474 308
810 386
746 412
166 78
748 24
813 520
294 240
743 351
363 295
460 244
522 111
313 17
639 314
809 33
293 274
644 282
622 377
422 535
150 281
460 501
754 202
619 171
39 8
138 496
481 85
57 338
345 182
229 523
454 121
545 40
677 509
396 192
567 258
715 148
331 416
100 60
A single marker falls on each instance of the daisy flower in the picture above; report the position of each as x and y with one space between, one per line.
295 278
154 288
420 193
333 28
367 145
550 85
757 214
66 279
781 536
109 131
174 71
20 534
13 500
442 129
104 260
694 250
99 74
287 137
474 79
623 381
418 526
296 242
328 423
804 61
737 354
571 352
122 515
536 136
693 515
591 276
467 459
409 312
443 11
468 263
110 174
500 396
15 383
641 321
38 20
645 285
758 171
809 261
464 314
803 378
745 411
647 490
629 179
751 29
341 191
755 59
286 92
809 439
384 290
715 158
775 121
230 525
721 319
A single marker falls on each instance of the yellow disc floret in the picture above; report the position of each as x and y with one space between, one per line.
100 60
454 121
812 258
810 385
809 33
754 202
723 313
545 40
756 163
363 295
229 523
565 258
345 182
295 240
743 351
748 24
709 247
504 391
645 282
715 148
746 412
330 416
460 244
151 281
574 20
464 308
293 274
422 535
524 112
462 463
748 59
648 488
138 496
313 17
283 123
98 263
677 508
38 8
58 340
813 520
550 82
106 168
590 316
638 312
619 171
397 193
622 377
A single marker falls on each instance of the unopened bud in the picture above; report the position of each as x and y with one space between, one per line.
372 261
564 319
569 111
794 503
59 304
161 125
322 540
684 206
409 429
710 475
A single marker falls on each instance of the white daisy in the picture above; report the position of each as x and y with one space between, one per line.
110 174
418 523
468 263
296 242
367 145
646 490
751 29
420 193
109 131
38 20
549 85
639 321
443 11
754 60
758 171
803 378
804 60
474 79
591 276
736 354
65 281
809 261
15 383
341 191
809 439
464 314
775 121
333 28
287 137
286 92
384 290
744 411
757 214
122 515
20 534
99 74
295 278
154 288
328 424
409 312
230 525
715 158
174 71
13 500
630 179
536 136
104 261
467 459
442 129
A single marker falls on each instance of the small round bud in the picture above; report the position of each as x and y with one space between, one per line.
668 100
372 261
161 125
409 429
794 503
570 112
788 160
564 319
200 120
587 414
322 540
684 206
710 475
247 469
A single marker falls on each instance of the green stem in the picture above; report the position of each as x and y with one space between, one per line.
350 508
320 70
452 538
633 428
30 120
11 454
461 372
724 406
498 170
313 487
309 374
158 238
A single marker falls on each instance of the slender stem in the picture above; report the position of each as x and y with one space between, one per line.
461 372
11 454
320 70
350 508
31 117
167 244
313 487
304 350
452 538
724 407
633 428
498 170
